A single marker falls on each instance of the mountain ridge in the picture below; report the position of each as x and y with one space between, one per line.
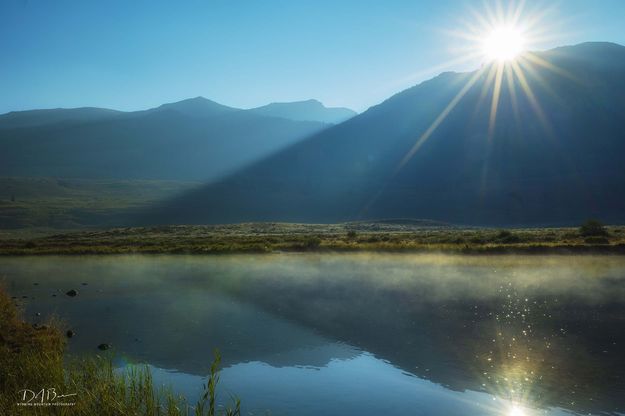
164 143
307 110
534 166
195 107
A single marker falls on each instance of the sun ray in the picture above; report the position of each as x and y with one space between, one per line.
518 11
436 68
489 13
532 98
537 60
499 12
512 92
452 104
485 88
529 69
495 101
535 20
482 22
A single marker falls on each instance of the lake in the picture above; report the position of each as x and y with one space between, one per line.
352 334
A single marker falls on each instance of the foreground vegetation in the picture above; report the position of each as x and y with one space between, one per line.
32 359
394 235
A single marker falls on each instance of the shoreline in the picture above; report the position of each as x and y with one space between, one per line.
267 238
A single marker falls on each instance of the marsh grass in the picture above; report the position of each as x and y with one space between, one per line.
272 237
32 357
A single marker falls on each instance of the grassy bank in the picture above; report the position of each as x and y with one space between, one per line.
271 237
32 359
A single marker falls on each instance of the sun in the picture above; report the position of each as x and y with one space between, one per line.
503 44
516 411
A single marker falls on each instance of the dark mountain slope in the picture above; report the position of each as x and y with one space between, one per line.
553 158
310 110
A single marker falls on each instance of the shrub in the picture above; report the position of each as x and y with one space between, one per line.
312 242
351 234
592 228
503 234
507 237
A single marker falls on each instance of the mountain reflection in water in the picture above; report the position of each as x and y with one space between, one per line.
544 333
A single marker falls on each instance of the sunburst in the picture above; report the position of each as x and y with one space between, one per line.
501 38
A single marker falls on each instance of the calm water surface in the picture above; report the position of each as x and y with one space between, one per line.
353 334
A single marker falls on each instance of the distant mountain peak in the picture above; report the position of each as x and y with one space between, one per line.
196 107
306 110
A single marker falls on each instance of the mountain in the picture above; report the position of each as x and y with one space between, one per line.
33 118
554 155
196 107
310 110
195 139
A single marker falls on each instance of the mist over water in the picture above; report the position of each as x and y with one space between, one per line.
310 334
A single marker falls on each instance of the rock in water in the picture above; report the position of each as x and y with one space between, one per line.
71 293
69 333
104 347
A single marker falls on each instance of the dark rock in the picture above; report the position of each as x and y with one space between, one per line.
24 297
69 333
84 284
104 347
71 293
38 314
35 284
54 295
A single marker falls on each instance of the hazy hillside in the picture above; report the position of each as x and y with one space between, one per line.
553 157
310 110
195 139
32 118
43 203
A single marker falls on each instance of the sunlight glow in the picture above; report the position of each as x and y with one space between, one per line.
503 44
499 35
516 411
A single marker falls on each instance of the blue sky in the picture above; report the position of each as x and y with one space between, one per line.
132 55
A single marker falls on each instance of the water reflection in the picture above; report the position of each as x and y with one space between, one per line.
421 334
